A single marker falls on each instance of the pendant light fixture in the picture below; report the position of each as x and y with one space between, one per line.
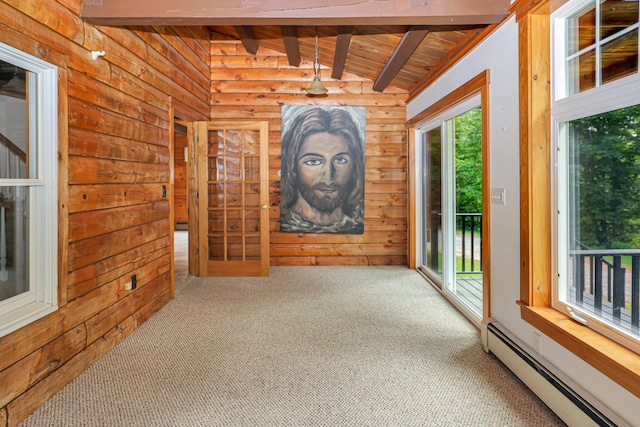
316 88
15 86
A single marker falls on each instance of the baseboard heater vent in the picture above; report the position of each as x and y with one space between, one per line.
567 404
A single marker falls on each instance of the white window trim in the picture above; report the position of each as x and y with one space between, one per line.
601 99
440 120
42 297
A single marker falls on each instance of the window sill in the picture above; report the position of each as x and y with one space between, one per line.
612 359
22 316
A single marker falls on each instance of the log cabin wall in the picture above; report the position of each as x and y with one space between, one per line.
181 216
114 159
246 86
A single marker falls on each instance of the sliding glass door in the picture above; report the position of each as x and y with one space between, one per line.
431 142
450 232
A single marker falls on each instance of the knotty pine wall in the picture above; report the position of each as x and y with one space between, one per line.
246 86
115 132
181 213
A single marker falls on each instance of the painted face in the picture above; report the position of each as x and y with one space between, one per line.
324 170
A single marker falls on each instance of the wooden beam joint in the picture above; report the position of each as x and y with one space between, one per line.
342 49
409 43
291 44
248 38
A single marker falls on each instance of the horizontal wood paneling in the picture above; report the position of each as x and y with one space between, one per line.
87 224
115 160
373 100
102 196
99 145
94 275
370 48
180 179
94 249
246 86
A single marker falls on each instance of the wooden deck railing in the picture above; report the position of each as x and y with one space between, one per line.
470 226
608 282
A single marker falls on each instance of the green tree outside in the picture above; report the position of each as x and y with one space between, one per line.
468 146
604 180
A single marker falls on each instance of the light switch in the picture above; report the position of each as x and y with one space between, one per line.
497 196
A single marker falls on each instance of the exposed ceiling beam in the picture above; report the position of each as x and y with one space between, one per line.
248 38
410 41
342 48
294 12
291 44
464 46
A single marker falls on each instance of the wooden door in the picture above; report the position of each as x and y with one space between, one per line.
229 198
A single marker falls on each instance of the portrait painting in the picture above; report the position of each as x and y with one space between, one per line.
323 169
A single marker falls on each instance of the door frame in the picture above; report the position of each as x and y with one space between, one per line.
478 84
198 263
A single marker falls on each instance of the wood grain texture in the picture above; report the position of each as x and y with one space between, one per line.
85 279
535 160
343 40
249 86
63 186
283 12
180 179
369 49
115 129
403 51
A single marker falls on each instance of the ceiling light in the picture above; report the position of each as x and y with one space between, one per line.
316 88
16 85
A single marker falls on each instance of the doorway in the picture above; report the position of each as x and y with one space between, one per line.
450 191
228 196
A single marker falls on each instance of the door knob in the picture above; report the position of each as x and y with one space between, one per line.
265 207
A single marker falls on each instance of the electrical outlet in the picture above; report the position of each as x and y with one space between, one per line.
536 342
131 284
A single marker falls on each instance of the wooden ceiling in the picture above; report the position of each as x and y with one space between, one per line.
404 57
402 43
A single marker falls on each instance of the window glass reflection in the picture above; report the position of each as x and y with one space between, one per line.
13 122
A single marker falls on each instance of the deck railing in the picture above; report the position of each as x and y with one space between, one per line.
470 226
604 281
13 163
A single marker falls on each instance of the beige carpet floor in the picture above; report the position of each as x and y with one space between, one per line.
308 346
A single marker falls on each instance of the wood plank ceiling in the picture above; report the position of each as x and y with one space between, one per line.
402 43
405 57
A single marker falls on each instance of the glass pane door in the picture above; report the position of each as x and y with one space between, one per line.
432 204
465 145
232 198
450 250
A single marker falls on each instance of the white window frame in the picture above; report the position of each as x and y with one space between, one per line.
443 121
41 185
601 99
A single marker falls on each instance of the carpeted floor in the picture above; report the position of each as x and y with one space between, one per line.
308 346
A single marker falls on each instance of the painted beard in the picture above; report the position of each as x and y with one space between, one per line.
326 203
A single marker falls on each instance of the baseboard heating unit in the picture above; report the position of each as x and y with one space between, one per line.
557 395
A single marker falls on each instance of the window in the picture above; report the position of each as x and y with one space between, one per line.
596 130
537 272
28 189
599 43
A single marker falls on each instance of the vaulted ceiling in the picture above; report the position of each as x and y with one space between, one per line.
397 55
400 43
